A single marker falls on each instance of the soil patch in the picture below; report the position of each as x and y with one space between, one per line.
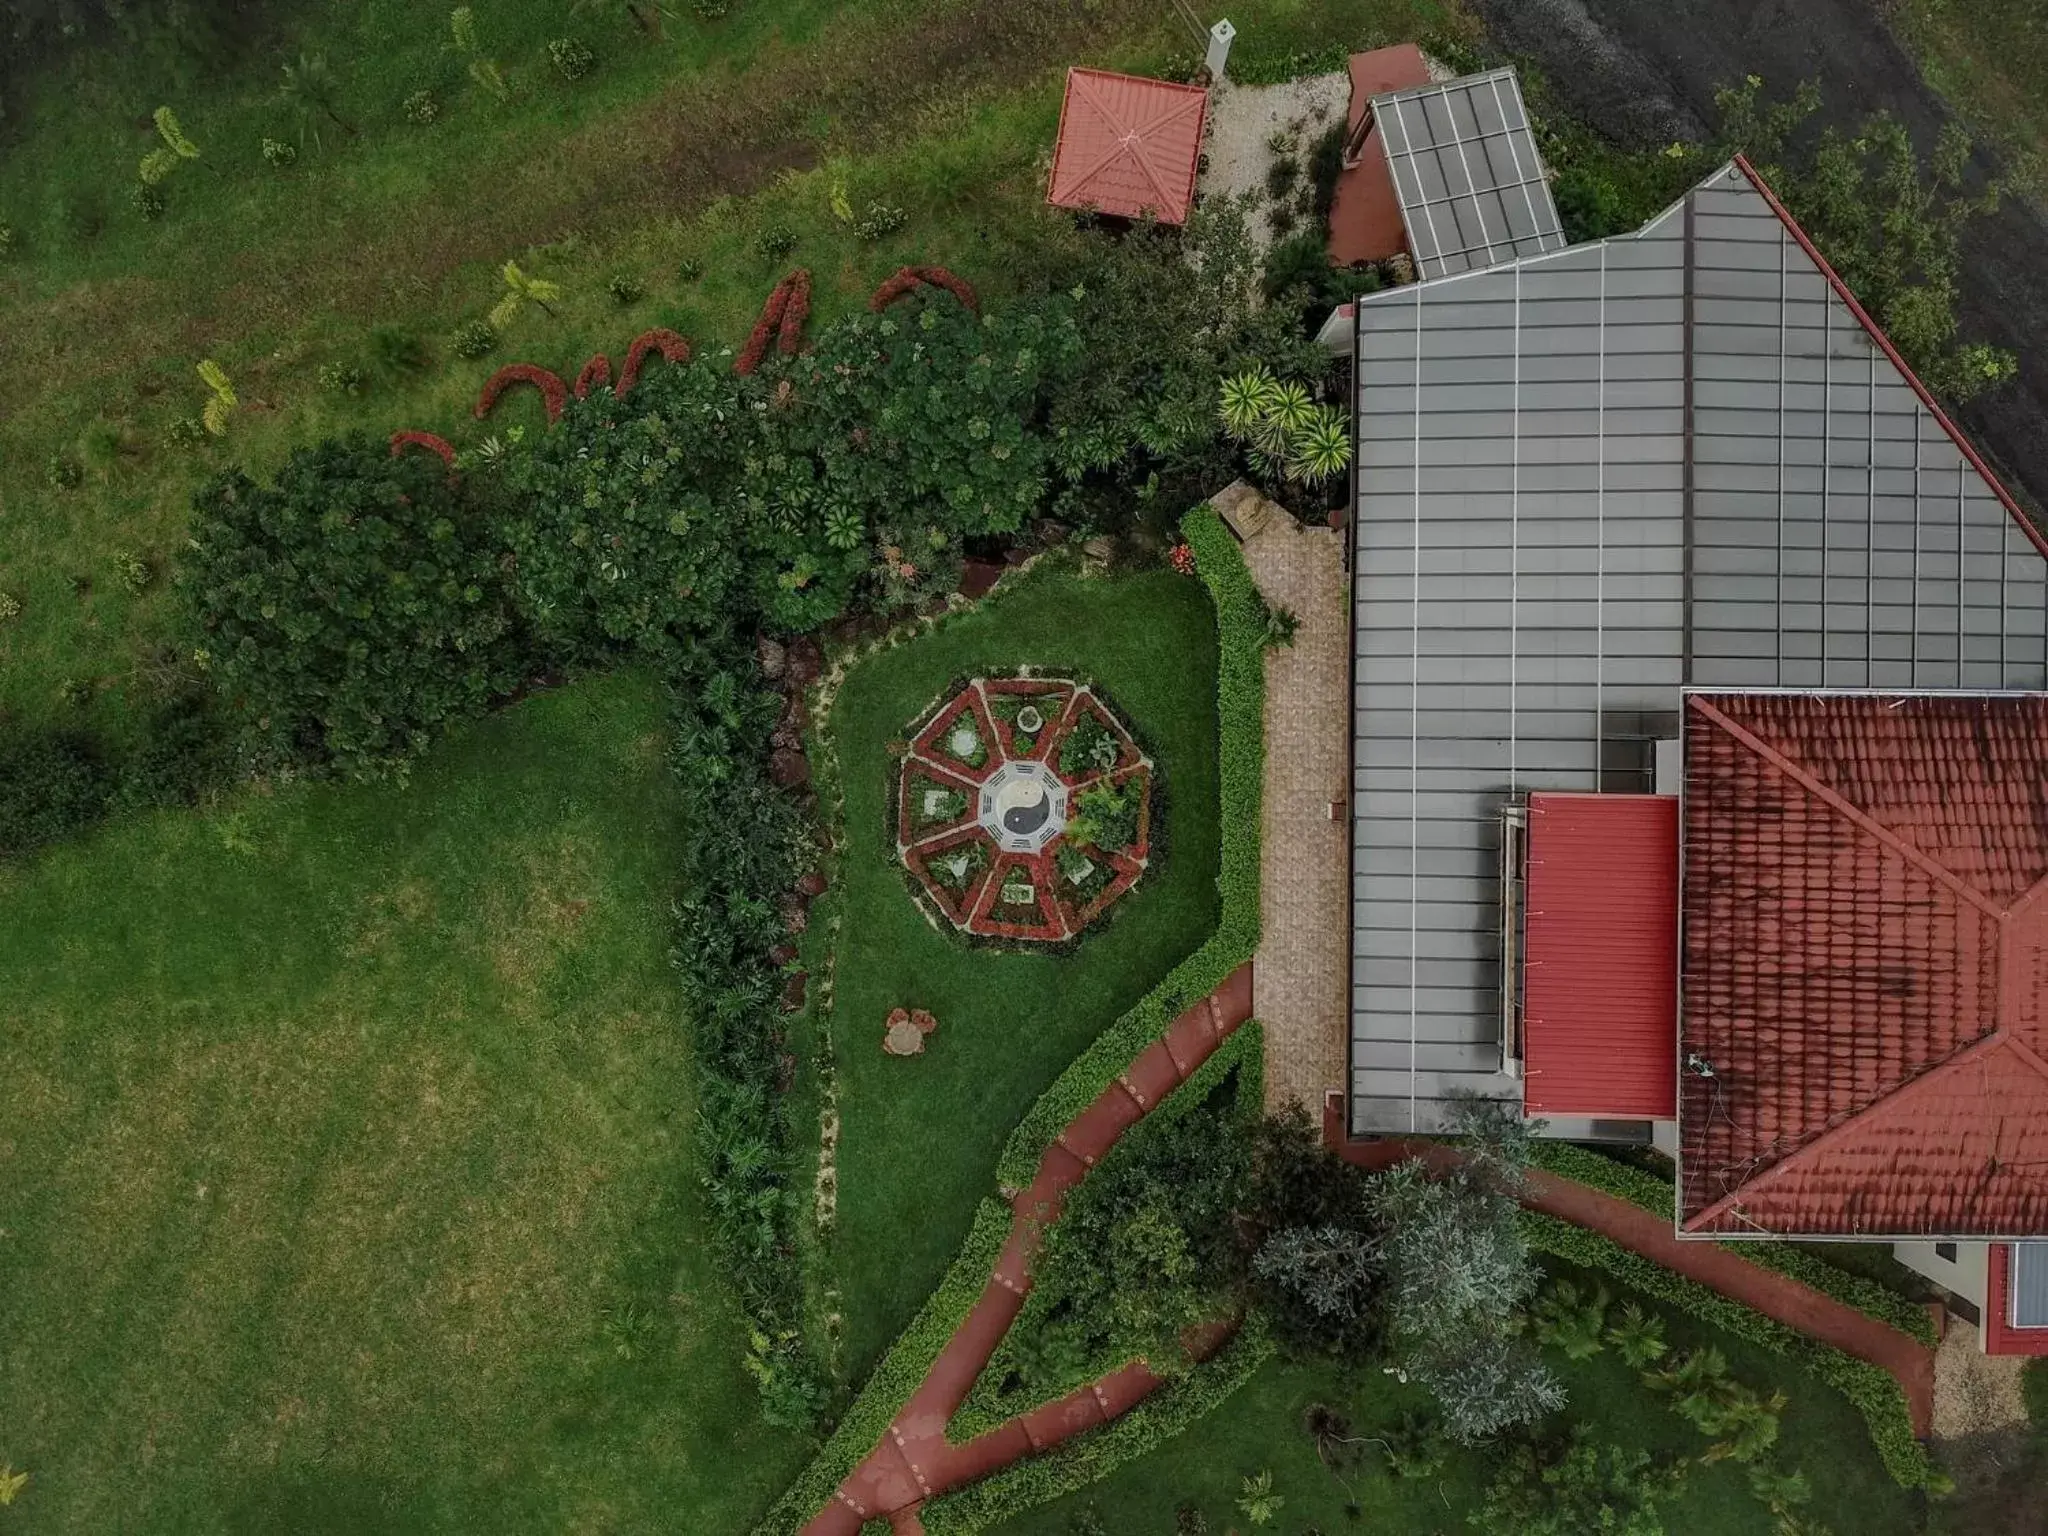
1645 72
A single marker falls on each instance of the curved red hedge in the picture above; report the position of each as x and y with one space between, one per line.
550 385
595 374
907 278
672 347
793 293
400 441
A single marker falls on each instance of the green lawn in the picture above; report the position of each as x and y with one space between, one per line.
1989 59
346 1172
1260 1429
920 1137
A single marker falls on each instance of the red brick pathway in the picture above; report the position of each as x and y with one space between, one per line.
914 1460
1714 1265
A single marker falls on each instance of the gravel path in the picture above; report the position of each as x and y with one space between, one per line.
1974 1393
1243 117
1645 71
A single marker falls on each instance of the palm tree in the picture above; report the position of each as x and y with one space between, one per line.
1321 447
1638 1337
519 289
220 405
310 85
1247 399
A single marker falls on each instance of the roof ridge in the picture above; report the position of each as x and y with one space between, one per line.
1908 851
1804 1154
1884 344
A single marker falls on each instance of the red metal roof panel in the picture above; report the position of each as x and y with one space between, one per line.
1600 933
1128 146
1864 927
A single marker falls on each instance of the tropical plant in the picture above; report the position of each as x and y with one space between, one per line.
11 1484
476 338
1571 1320
221 401
310 87
1638 1336
1333 1275
1282 429
174 151
421 107
1257 1501
1576 1487
625 288
482 68
521 290
1417 1446
348 608
279 154
1106 816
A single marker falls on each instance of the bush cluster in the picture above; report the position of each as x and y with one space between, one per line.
1876 1394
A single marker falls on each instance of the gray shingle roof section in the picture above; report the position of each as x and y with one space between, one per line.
1524 614
1471 186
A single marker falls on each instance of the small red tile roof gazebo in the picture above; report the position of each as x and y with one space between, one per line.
1128 146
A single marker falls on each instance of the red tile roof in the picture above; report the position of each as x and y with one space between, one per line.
1128 146
1865 919
1365 215
1600 994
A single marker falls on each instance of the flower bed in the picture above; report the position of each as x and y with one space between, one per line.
552 389
400 441
1023 809
674 348
595 374
905 279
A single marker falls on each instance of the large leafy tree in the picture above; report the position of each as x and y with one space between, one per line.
351 606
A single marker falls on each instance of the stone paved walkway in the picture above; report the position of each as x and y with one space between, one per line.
1305 876
914 1460
1713 1265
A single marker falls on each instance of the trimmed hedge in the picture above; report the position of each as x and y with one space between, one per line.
983 1409
1873 1390
899 1374
1655 1195
1240 714
1171 1410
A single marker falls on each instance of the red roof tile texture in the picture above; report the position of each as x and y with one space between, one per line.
1600 995
1128 146
1864 921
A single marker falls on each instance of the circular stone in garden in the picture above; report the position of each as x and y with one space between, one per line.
1023 808
902 1038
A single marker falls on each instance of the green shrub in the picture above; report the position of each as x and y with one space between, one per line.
879 222
625 288
148 200
134 571
572 57
476 338
10 607
342 378
53 784
689 270
421 107
1876 1394
184 433
280 154
398 352
2034 1389
63 472
775 241
6 241
350 606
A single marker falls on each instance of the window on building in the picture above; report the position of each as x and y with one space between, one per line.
2030 1285
1945 1251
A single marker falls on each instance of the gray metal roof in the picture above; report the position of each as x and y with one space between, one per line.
1471 186
1541 565
2030 1285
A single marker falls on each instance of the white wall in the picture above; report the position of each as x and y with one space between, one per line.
1966 1277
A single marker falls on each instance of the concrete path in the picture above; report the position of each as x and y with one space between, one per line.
914 1460
1714 1265
1305 856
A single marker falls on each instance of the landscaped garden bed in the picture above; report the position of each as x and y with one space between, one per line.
1023 809
917 1139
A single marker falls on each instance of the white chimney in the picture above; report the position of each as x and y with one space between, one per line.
1219 48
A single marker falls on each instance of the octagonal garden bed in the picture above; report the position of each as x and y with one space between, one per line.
1023 809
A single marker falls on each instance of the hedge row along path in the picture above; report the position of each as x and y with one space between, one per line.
914 1460
1799 1307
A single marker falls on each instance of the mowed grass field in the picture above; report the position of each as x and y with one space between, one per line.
346 1166
920 1137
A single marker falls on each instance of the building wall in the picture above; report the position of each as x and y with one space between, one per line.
1964 1276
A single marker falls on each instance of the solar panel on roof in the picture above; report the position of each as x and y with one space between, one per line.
1471 186
2030 1285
